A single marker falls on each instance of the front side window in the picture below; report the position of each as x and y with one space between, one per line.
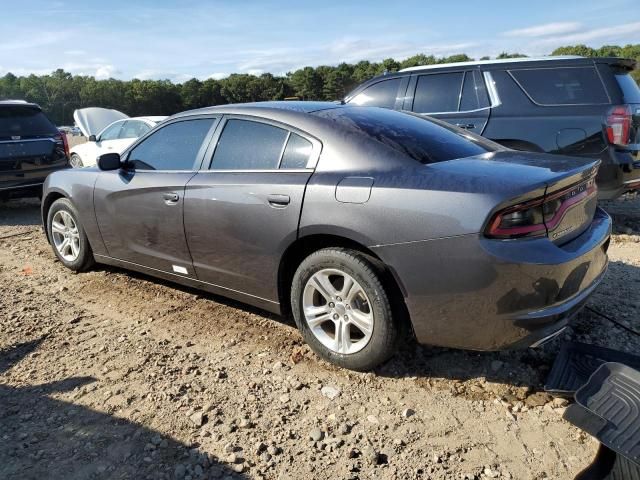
248 145
111 132
133 129
438 93
562 85
174 147
382 94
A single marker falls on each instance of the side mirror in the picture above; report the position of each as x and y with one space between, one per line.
92 138
109 161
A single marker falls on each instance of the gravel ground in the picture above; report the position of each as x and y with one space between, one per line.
109 374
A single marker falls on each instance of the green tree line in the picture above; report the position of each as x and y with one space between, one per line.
60 93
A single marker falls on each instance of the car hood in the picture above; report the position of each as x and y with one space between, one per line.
93 120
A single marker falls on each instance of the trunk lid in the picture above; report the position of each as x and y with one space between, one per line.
92 120
558 192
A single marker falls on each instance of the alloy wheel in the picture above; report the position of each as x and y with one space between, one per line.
338 311
66 237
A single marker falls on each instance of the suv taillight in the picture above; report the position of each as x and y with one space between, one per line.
618 124
62 137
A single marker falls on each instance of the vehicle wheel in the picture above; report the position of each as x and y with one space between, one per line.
75 161
342 309
68 239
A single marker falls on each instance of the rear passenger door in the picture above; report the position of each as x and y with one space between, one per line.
242 208
457 97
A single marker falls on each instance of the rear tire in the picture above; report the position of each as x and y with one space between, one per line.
68 239
342 309
75 161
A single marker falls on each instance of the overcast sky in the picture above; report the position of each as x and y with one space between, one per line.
198 38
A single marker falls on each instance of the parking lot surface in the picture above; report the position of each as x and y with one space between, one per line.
111 374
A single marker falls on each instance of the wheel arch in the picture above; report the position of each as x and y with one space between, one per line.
304 246
47 201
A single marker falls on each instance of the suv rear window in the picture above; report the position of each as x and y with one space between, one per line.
24 122
629 87
562 85
439 92
422 139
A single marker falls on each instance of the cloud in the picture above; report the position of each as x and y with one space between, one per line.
151 74
75 52
555 28
105 71
218 75
625 33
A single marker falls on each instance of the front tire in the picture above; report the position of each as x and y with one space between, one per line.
342 309
75 161
68 238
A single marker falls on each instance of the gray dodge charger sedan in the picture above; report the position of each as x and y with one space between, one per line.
365 224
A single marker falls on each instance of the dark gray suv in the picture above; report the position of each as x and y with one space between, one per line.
31 147
586 107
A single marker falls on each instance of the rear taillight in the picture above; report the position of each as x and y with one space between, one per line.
62 138
535 217
618 124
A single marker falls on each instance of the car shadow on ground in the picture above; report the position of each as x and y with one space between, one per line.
527 369
42 437
20 212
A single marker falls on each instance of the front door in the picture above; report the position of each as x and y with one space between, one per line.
243 211
140 208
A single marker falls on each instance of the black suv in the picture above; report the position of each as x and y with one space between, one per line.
31 147
569 105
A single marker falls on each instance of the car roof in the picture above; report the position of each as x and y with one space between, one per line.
260 107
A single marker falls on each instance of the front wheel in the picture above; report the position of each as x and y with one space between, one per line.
67 237
343 310
75 161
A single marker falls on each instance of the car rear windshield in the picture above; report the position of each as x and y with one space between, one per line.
629 87
419 138
19 121
562 85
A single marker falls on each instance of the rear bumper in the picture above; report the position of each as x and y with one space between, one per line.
476 293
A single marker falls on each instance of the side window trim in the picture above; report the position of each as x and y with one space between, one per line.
604 87
201 152
205 166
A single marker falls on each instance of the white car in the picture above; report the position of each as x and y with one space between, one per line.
107 131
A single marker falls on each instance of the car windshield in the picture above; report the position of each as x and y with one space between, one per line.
23 121
424 140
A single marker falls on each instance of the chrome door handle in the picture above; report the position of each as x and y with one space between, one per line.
466 126
278 201
171 198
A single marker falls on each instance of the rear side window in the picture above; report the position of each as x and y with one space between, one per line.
18 121
174 147
439 92
248 145
629 87
562 85
382 94
474 92
421 139
297 152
